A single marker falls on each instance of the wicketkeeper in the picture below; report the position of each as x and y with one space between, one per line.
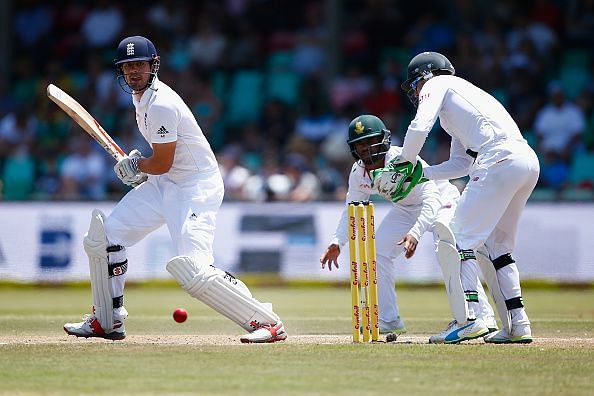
418 205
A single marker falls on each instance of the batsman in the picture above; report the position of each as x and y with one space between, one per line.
418 205
179 185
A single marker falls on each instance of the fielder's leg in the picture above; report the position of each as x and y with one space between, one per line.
392 228
485 312
101 323
228 296
389 318
465 325
504 269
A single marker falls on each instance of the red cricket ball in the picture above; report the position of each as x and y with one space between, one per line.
180 315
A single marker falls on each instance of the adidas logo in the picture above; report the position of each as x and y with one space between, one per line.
162 131
193 216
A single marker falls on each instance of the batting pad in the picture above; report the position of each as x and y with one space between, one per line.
226 295
449 260
95 244
490 274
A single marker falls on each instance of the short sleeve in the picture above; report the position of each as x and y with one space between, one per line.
162 124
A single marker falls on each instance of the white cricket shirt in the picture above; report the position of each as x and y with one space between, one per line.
163 117
474 119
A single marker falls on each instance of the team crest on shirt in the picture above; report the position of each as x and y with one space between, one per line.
162 131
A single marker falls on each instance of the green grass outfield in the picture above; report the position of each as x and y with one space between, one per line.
204 356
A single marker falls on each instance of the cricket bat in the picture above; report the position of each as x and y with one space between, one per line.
85 120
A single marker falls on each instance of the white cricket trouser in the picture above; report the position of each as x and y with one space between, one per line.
393 227
188 208
490 206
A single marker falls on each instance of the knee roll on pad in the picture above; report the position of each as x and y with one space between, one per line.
95 244
222 292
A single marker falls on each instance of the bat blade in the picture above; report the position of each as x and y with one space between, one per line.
85 120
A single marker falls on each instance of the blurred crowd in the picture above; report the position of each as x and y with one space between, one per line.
274 84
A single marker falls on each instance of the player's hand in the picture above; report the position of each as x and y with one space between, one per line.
127 169
409 244
390 179
330 256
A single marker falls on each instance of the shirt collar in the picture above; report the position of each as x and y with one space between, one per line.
146 95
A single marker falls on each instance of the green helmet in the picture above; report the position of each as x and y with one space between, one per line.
365 127
422 67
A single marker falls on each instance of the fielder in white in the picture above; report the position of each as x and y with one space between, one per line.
418 206
179 186
488 147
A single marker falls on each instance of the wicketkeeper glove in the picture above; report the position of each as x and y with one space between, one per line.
396 180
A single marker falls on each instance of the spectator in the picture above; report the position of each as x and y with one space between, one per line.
17 128
103 24
82 172
296 183
309 54
32 22
207 44
559 125
234 175
238 34
352 88
554 171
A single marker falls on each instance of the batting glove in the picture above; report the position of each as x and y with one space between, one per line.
127 169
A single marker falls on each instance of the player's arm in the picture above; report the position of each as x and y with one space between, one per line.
430 101
161 160
431 204
354 193
456 166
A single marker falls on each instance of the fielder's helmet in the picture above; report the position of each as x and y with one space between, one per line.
364 127
136 48
422 67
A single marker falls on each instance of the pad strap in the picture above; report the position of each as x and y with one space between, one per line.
118 302
471 296
513 303
117 269
466 254
502 261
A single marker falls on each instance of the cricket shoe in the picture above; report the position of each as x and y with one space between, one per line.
90 327
491 324
520 334
458 332
266 333
396 326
